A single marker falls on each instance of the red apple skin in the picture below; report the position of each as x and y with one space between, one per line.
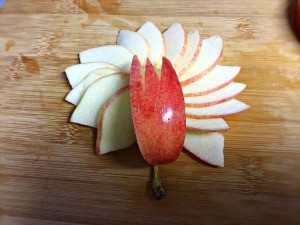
297 18
158 112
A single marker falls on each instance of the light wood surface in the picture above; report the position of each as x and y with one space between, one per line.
48 171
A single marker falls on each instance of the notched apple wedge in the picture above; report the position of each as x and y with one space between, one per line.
157 112
115 127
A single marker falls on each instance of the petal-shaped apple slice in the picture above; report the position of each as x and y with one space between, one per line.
76 93
115 127
193 47
222 95
135 43
157 112
228 108
155 41
78 72
218 78
206 146
113 54
87 111
210 54
217 124
176 41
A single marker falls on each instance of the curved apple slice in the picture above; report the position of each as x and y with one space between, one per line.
206 146
76 93
218 78
77 73
217 124
210 54
193 47
155 41
115 126
113 54
228 108
176 41
222 95
135 43
87 111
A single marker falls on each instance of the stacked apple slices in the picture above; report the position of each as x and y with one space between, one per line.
101 87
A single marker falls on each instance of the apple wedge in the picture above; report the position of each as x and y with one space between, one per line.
115 127
155 41
222 95
113 54
87 111
135 43
76 93
206 146
210 54
221 110
217 124
218 78
193 47
77 73
176 41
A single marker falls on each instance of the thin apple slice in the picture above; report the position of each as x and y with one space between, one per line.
210 54
76 93
206 146
222 95
115 126
87 111
217 124
78 72
228 108
218 78
113 54
135 43
193 47
155 41
176 41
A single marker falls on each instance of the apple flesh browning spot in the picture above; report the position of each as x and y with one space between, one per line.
157 112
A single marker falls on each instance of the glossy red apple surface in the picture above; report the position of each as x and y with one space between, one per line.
158 111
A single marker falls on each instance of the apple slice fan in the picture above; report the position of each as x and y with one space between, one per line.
165 91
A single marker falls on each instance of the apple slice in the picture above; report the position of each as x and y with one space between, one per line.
135 43
155 41
157 112
77 73
176 41
87 111
76 93
218 78
113 54
217 124
206 146
210 54
222 95
194 43
228 108
115 127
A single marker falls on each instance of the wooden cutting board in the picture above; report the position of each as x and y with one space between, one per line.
48 171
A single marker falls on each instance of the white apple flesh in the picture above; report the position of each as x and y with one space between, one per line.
115 128
211 125
135 43
155 41
218 78
76 93
113 54
176 41
87 111
206 146
78 72
210 54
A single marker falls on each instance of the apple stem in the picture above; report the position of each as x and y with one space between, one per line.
158 189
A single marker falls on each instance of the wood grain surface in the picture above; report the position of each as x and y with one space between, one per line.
48 171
